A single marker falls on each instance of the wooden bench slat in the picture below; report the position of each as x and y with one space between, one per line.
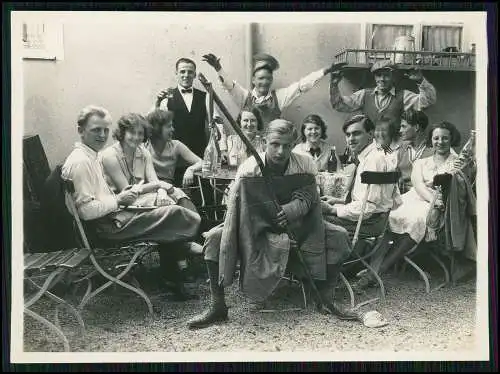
47 260
77 258
35 260
61 258
29 258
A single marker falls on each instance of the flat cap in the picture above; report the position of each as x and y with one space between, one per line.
263 60
382 65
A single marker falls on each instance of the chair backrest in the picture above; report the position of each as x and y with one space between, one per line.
378 177
370 178
59 228
69 189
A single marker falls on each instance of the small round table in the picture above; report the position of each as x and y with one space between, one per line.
222 178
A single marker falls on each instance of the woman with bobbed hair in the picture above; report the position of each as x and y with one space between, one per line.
127 164
313 135
167 152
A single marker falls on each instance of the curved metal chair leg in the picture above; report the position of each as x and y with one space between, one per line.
135 282
447 277
43 289
421 272
70 307
379 280
61 302
349 289
112 280
116 280
50 325
402 268
302 287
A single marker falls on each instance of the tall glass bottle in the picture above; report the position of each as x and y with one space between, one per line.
211 156
334 163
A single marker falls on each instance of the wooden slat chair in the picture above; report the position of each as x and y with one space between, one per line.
42 271
114 263
373 242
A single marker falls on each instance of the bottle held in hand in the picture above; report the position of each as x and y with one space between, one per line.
467 153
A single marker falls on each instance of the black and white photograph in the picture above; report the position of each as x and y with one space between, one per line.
249 186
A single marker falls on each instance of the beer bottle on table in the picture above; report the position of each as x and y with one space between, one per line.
333 161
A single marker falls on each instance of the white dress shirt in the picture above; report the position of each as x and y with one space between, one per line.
285 95
380 198
392 158
93 197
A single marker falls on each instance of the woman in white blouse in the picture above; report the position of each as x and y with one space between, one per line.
313 135
251 124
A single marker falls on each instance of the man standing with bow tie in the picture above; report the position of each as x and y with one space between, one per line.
190 108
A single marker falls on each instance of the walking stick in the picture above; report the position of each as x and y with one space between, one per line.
267 179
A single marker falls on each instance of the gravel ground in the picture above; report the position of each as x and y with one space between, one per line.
117 321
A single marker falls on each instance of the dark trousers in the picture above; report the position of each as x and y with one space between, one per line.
372 226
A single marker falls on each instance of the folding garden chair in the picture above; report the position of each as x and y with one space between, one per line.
44 270
373 241
113 263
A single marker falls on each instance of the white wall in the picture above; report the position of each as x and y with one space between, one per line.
120 67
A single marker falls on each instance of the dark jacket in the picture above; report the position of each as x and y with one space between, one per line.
250 235
58 222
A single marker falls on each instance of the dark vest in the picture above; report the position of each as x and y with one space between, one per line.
269 110
190 126
393 111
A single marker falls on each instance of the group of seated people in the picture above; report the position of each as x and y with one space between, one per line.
142 168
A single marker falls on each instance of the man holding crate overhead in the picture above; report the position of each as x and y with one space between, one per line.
385 99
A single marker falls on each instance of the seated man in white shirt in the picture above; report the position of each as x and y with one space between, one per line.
99 207
359 136
279 160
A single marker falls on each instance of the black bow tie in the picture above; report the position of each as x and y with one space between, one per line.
315 151
186 90
387 149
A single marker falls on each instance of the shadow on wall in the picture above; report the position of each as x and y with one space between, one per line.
121 68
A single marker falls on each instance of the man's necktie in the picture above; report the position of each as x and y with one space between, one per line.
386 148
315 152
186 90
355 161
